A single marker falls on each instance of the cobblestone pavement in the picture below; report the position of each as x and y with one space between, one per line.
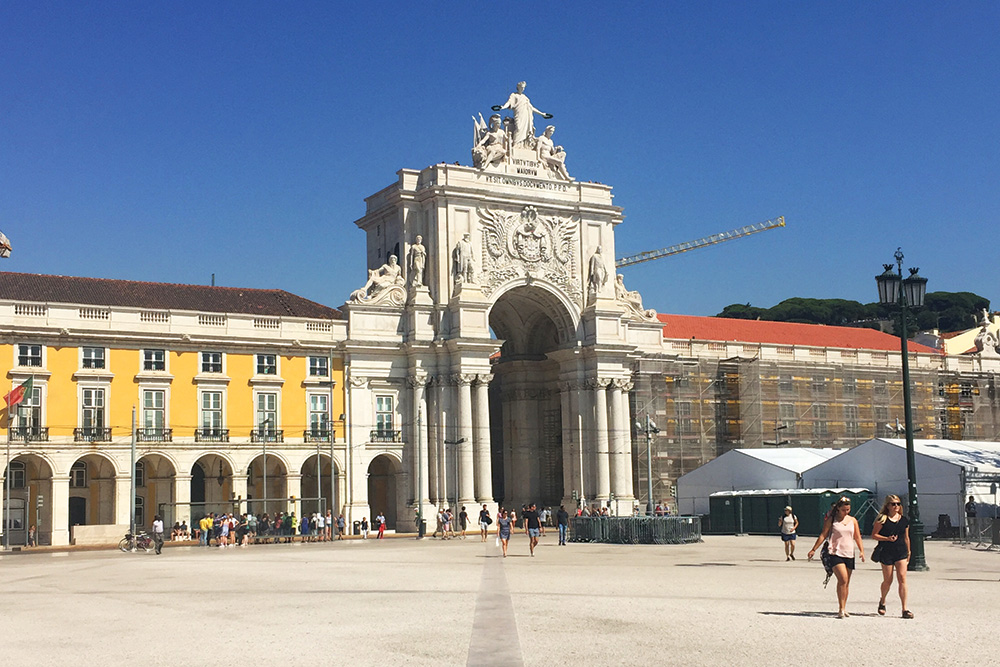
728 600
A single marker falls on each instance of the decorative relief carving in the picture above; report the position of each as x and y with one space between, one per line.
463 260
598 383
624 384
529 244
484 378
358 381
418 380
463 379
632 301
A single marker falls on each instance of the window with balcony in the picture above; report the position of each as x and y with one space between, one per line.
319 418
384 421
211 362
94 357
154 418
154 360
267 364
29 355
211 419
28 423
93 410
319 367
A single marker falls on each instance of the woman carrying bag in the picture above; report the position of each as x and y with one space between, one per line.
845 542
892 532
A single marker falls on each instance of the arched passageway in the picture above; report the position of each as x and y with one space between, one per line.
211 486
328 487
92 497
154 490
31 498
526 414
382 473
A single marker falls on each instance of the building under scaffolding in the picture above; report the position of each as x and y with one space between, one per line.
748 384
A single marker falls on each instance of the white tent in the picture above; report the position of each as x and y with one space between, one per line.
746 469
948 471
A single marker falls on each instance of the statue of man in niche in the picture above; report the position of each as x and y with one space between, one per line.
524 119
462 257
418 260
597 272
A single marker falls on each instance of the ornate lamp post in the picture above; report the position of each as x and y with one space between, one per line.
895 291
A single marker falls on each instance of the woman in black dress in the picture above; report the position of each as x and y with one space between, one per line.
892 532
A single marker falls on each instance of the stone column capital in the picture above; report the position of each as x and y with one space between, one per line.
463 379
418 380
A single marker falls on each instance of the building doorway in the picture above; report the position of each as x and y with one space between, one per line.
382 489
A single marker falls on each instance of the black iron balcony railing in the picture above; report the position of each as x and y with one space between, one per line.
385 436
154 435
316 435
211 435
92 434
272 435
30 434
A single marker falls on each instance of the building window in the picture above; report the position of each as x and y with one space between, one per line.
29 413
850 387
17 475
267 411
78 475
211 411
211 362
93 357
267 364
820 429
154 360
880 388
785 384
966 391
851 412
684 408
319 414
93 410
153 412
383 414
786 411
29 355
881 415
819 411
819 385
319 366
140 473
140 511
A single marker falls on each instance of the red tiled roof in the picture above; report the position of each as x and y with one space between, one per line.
686 327
159 296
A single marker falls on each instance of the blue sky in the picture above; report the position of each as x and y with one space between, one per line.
168 141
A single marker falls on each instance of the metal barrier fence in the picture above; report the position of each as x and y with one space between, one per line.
636 529
983 532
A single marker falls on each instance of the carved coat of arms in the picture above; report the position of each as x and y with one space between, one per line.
529 244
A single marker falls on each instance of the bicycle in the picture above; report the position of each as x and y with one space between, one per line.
140 541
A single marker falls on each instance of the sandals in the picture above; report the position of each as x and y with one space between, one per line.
881 608
907 614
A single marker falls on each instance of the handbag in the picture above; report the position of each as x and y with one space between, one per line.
498 540
877 552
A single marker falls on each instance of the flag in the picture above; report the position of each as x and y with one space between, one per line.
16 395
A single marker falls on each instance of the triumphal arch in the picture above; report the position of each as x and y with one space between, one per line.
490 351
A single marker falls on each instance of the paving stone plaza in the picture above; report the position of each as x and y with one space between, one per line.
728 600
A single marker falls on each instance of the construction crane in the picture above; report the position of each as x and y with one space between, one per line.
699 243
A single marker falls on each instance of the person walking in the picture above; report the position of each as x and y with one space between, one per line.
364 528
892 532
562 518
504 525
158 533
845 542
789 524
971 529
484 522
341 526
463 520
532 525
380 520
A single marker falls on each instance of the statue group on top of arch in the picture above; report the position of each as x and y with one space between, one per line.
494 142
632 301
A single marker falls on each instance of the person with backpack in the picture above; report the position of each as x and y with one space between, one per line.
789 523
845 544
484 522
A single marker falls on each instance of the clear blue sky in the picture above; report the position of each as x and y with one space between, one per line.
166 141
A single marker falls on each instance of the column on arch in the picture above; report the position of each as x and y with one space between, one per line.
568 443
629 471
482 452
465 455
599 398
419 439
60 509
618 435
433 414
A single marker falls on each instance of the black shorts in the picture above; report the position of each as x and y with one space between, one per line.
835 560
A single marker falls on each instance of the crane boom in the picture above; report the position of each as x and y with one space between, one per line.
700 243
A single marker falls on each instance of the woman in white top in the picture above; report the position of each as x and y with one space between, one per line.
789 524
845 537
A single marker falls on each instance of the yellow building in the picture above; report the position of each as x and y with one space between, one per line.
214 377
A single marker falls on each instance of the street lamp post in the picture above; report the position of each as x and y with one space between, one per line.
650 428
895 291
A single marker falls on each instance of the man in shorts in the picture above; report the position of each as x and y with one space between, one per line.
532 525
